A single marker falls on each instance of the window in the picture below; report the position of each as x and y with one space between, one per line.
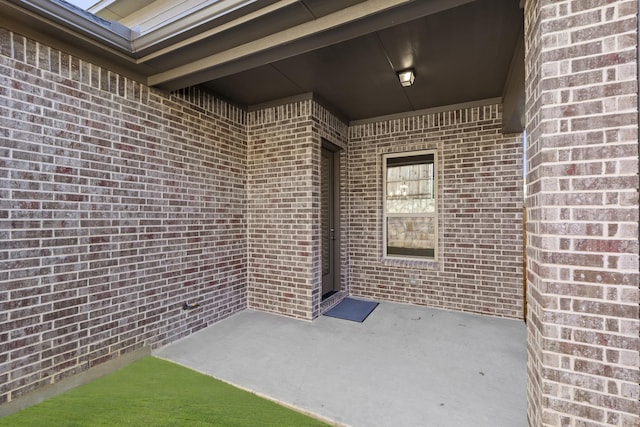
410 205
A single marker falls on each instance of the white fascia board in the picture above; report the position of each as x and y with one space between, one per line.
141 43
98 6
111 34
164 19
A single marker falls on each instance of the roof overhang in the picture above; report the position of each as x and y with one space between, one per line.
192 42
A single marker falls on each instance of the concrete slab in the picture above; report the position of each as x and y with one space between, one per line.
404 366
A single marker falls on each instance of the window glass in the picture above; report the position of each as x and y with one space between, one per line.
410 205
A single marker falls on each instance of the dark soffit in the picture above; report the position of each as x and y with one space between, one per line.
460 55
462 51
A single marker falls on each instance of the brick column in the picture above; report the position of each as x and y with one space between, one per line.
280 210
283 208
582 124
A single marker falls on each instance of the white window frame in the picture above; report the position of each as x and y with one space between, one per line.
433 215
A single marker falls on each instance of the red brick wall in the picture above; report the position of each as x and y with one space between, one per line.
284 145
118 205
582 121
480 213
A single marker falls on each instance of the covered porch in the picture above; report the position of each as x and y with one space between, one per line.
404 365
161 174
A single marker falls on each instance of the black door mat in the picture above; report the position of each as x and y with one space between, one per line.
352 309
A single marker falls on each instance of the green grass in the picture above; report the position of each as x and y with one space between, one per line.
153 392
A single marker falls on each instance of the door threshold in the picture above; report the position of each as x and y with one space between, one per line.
329 295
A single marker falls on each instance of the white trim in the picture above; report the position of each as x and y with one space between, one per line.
149 40
99 5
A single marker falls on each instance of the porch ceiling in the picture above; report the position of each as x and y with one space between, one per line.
345 52
459 55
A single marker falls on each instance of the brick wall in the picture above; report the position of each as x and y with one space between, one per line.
118 204
328 127
582 121
284 145
480 213
534 304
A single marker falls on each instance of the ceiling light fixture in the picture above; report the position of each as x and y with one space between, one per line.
406 77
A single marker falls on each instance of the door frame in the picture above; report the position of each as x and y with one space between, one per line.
334 152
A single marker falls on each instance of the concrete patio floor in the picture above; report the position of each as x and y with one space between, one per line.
404 366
